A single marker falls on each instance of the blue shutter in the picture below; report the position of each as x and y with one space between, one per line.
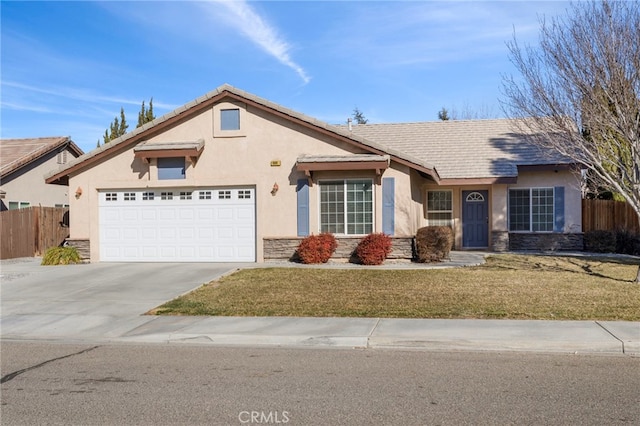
303 207
558 201
388 205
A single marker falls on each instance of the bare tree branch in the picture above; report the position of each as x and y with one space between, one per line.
578 91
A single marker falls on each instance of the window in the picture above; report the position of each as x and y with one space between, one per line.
224 195
166 195
244 194
148 196
185 195
111 196
205 195
346 207
171 168
129 196
531 210
15 205
439 208
230 119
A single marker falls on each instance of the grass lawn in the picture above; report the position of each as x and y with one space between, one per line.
507 286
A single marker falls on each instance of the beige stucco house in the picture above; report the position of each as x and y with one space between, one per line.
233 177
23 164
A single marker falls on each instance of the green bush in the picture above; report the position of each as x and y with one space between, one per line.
317 248
61 256
433 243
373 249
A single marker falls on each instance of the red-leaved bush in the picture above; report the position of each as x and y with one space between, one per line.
373 249
317 248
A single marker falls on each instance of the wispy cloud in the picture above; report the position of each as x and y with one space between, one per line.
78 95
261 32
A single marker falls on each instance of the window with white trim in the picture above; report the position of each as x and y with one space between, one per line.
244 194
185 195
346 207
205 195
166 195
224 195
129 196
531 209
148 196
439 208
111 196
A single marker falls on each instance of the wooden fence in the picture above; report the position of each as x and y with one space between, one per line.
608 215
30 232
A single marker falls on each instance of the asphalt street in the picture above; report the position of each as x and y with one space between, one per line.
154 384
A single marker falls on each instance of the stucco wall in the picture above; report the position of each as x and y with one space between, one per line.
572 193
27 184
236 159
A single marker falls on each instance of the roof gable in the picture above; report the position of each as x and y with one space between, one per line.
208 100
17 153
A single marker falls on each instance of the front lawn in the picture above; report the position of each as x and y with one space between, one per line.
507 286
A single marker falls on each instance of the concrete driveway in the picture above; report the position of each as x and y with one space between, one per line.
91 299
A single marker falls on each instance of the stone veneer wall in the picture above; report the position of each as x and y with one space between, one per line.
544 242
82 245
285 248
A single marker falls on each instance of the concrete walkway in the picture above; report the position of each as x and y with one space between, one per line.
104 302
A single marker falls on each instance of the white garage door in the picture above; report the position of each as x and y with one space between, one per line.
179 225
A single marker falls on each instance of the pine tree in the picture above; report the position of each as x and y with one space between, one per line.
146 115
443 114
117 128
359 117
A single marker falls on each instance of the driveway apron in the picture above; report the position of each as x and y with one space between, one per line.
98 299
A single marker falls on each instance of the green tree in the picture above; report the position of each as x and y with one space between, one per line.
443 114
117 128
146 115
359 117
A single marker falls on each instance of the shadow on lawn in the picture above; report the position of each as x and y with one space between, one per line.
560 263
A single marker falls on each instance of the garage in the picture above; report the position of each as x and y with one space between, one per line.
177 225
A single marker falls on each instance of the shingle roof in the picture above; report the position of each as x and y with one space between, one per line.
202 101
16 153
462 149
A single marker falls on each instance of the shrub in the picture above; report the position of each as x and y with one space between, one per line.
373 249
433 243
627 242
600 241
317 248
61 256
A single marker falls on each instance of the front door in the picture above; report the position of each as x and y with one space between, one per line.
475 219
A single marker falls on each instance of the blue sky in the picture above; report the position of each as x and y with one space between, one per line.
68 67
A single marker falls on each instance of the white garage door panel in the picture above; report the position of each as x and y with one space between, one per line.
207 225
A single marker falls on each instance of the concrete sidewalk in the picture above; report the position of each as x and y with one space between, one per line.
105 302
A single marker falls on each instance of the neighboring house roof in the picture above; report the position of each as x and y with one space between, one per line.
226 91
465 149
17 153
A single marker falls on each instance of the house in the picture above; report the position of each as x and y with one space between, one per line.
23 164
234 177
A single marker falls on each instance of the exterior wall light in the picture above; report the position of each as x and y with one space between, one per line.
275 188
